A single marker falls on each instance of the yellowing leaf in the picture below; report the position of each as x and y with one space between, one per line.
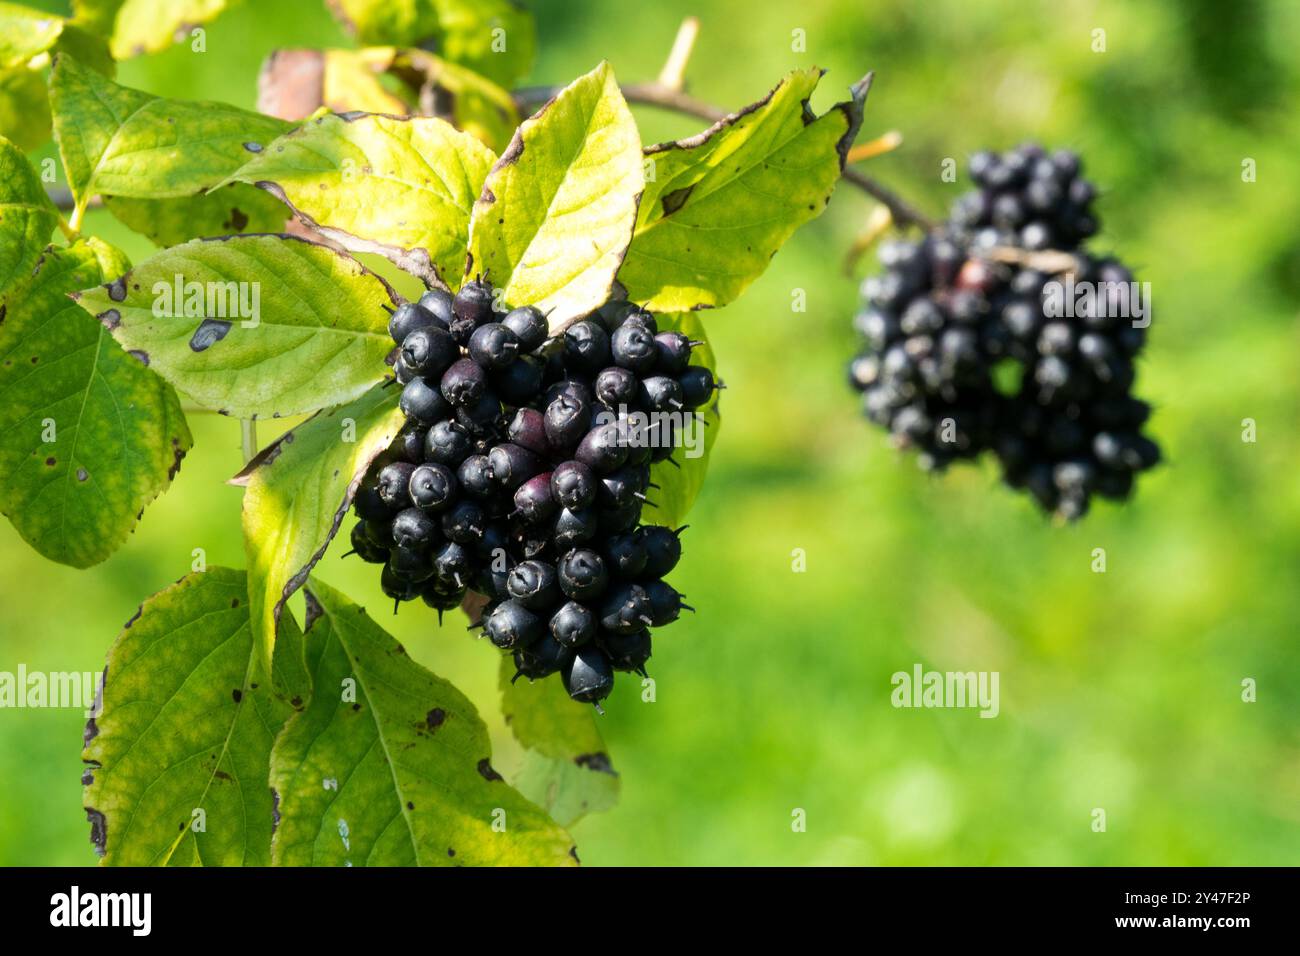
298 493
722 203
558 208
403 188
178 759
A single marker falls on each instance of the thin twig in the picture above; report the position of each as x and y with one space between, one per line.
673 75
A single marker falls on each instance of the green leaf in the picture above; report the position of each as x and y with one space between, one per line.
122 142
179 756
496 38
24 108
679 486
27 217
230 210
88 434
25 33
558 208
565 768
298 493
137 27
723 202
264 326
390 765
478 106
403 188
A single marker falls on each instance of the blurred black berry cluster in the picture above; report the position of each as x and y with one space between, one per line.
998 331
521 474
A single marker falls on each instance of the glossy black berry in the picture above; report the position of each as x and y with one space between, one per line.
573 624
512 625
471 307
366 549
409 565
392 484
573 484
447 443
414 530
528 429
586 347
534 499
432 486
422 403
625 554
575 526
493 345
429 351
369 504
513 464
543 657
602 449
463 522
520 381
464 383
588 676
697 386
627 651
529 326
475 476
533 584
437 302
674 350
665 603
634 348
582 574
617 387
406 318
567 420
663 548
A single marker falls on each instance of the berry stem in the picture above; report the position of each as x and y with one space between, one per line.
248 434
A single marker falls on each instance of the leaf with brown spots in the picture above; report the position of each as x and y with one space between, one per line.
173 737
564 765
88 434
378 786
307 324
27 217
721 203
231 210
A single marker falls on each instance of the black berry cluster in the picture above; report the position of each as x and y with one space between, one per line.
999 332
1026 198
522 472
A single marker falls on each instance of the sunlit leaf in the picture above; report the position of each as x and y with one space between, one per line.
179 757
390 765
254 326
88 435
558 208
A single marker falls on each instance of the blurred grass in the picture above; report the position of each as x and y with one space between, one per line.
1120 691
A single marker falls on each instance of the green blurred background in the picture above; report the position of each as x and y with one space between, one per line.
1120 691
